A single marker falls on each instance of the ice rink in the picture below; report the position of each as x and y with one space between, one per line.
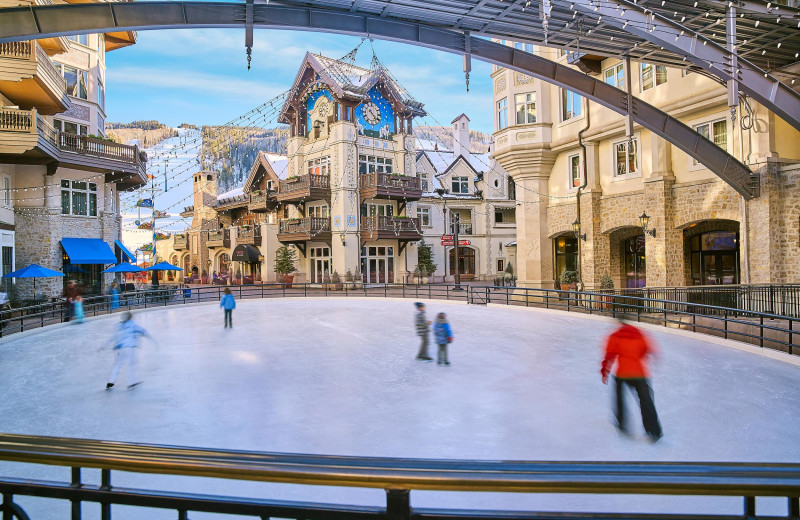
339 376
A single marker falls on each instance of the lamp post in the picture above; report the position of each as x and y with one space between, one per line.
576 228
644 221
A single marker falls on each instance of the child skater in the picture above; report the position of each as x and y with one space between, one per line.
443 335
126 342
228 303
77 309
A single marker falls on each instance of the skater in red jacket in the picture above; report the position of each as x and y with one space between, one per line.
630 348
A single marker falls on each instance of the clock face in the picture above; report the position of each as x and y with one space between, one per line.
323 107
372 114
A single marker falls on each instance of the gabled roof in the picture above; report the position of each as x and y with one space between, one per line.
459 117
347 80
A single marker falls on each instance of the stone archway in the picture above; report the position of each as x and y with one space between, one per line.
711 252
627 263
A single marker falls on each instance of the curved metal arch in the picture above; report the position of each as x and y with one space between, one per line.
701 51
58 20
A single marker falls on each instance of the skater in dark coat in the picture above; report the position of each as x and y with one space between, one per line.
422 326
629 348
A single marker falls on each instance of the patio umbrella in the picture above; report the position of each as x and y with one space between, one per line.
33 271
124 267
162 266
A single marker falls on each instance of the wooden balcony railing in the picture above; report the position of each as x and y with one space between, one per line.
308 225
14 120
305 182
48 69
180 241
215 236
19 50
391 180
258 198
47 130
391 224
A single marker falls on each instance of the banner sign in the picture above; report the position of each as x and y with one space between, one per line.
144 203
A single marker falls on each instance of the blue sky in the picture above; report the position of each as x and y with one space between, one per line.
200 76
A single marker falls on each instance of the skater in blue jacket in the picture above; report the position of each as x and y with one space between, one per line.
443 335
228 303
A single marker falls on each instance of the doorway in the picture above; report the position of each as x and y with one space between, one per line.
320 263
377 264
466 263
715 258
635 262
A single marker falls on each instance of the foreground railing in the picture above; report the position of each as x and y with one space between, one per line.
758 328
398 476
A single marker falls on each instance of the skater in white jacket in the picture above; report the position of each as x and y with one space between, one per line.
126 342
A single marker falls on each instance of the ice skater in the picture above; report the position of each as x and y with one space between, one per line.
77 309
228 303
113 292
444 335
630 349
126 341
423 327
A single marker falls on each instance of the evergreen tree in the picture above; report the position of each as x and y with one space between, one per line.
284 260
425 259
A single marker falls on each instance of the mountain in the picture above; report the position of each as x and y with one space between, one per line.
143 133
443 135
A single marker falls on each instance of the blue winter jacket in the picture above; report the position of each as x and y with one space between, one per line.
227 302
128 334
442 333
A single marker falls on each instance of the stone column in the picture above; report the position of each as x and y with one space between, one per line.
595 250
764 233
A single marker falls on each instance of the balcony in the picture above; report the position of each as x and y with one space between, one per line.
390 186
180 242
305 187
29 79
464 228
221 238
302 229
261 202
18 132
249 235
392 228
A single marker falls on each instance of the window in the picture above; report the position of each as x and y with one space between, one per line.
77 80
424 184
566 255
372 164
716 132
6 191
78 198
615 76
571 105
70 128
505 216
464 220
502 113
377 210
625 157
526 108
527 47
319 166
574 171
651 78
512 189
424 215
318 211
500 265
101 94
83 39
460 185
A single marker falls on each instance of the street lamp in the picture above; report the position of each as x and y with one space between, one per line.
576 228
644 220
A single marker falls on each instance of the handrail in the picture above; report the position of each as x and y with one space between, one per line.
22 50
16 120
49 69
398 476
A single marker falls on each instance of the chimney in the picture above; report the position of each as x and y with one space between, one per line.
461 136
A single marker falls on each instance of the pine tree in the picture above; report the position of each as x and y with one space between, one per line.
284 260
425 259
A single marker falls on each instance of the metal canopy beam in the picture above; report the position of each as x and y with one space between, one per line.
699 50
58 20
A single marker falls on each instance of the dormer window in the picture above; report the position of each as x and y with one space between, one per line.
460 185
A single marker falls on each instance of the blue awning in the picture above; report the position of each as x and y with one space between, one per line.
88 251
125 251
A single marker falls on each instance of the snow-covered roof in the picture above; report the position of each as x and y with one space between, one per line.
235 192
279 164
430 145
442 160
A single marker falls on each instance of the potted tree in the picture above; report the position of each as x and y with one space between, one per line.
348 278
508 275
326 281
358 282
568 280
607 285
425 261
284 265
336 281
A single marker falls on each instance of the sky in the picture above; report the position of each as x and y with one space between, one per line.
200 76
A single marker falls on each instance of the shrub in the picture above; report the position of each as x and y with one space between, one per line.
425 259
606 282
568 277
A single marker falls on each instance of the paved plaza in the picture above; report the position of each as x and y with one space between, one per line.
338 376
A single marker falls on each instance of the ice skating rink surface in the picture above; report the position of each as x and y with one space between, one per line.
338 376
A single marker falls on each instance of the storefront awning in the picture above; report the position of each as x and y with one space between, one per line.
125 251
88 251
246 253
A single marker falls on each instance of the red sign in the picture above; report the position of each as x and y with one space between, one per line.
446 238
460 242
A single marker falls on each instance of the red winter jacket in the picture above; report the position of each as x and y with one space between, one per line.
629 347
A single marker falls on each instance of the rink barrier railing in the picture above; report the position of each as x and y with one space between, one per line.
397 476
766 330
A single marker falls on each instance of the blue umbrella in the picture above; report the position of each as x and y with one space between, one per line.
124 267
33 271
164 266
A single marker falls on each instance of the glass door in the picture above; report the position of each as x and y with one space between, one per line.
320 264
377 264
635 263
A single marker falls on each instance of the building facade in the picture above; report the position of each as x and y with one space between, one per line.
699 232
343 197
60 177
471 192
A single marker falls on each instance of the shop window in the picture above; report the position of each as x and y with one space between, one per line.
78 198
714 258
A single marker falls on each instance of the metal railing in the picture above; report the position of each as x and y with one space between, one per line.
304 182
396 224
759 328
464 228
15 120
391 180
762 329
398 476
